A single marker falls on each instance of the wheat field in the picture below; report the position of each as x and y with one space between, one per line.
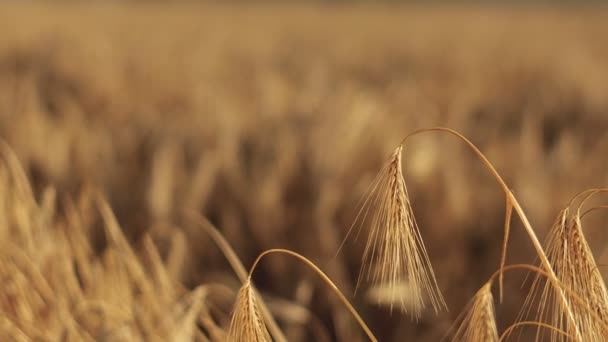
150 152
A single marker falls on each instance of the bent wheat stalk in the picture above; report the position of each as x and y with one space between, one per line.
592 209
520 212
258 329
585 196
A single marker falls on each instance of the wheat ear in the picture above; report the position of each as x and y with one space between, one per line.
479 322
247 324
576 268
479 308
395 253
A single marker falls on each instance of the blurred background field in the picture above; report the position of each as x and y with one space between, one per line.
272 121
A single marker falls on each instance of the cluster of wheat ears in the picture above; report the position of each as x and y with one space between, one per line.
568 299
571 297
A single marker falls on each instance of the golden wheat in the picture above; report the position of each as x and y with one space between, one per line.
395 255
264 127
479 323
247 324
576 269
321 274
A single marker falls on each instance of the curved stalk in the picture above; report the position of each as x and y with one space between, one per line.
505 243
325 278
593 209
583 193
587 196
518 209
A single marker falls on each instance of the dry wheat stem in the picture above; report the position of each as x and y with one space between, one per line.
21 181
325 278
503 258
592 209
518 209
586 195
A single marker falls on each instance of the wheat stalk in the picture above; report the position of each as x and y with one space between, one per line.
250 315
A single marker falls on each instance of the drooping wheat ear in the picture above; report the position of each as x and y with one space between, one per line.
577 271
395 254
247 324
479 322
